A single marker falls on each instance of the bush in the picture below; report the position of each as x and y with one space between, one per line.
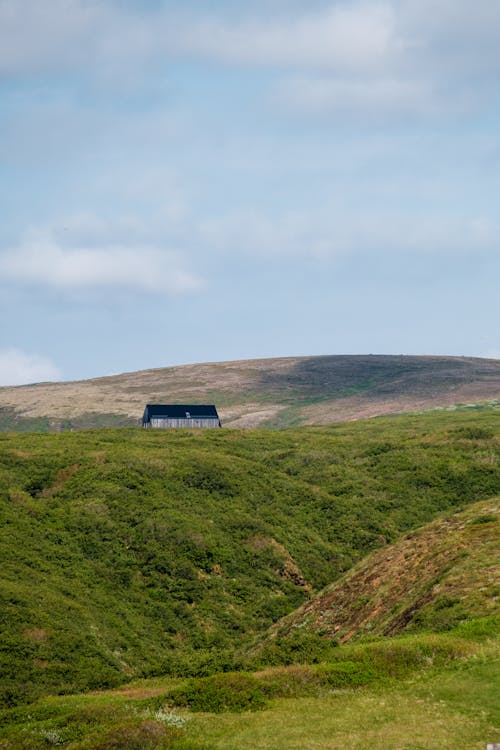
475 433
150 735
347 674
221 692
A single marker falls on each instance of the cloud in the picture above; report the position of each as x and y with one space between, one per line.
37 36
18 368
362 54
45 262
329 233
382 98
360 35
352 37
45 35
74 33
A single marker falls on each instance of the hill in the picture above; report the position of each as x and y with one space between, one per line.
265 392
433 578
129 552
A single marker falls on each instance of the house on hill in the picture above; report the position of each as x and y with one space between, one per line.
180 415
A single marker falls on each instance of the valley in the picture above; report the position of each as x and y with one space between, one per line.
251 588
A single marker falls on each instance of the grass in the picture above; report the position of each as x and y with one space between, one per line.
431 579
445 700
129 552
383 720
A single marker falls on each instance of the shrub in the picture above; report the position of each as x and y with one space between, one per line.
347 674
221 692
475 433
150 735
484 519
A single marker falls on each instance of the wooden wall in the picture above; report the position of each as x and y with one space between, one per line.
169 422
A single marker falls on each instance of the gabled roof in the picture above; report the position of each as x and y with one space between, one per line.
180 411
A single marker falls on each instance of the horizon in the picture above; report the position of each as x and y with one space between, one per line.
238 361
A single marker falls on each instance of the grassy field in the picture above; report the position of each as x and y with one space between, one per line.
128 553
415 693
190 569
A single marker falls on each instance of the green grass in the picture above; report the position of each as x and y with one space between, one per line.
418 692
432 578
129 552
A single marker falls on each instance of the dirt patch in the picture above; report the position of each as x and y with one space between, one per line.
250 415
35 635
289 570
61 478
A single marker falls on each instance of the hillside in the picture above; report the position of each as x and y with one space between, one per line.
433 578
129 552
265 392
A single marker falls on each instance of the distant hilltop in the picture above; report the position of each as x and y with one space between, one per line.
261 392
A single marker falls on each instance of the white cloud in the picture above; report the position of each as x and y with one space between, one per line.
46 262
18 368
359 55
359 36
74 33
39 34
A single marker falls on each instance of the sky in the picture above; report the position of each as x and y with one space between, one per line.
184 181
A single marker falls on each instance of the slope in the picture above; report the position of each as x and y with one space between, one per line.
433 578
127 552
267 392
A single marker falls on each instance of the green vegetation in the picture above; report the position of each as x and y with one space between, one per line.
129 552
13 421
347 667
432 579
418 692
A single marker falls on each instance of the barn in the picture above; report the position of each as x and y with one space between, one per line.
180 415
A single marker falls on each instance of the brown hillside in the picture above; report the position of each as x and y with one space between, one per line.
433 578
267 392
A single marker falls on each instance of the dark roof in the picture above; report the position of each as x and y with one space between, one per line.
180 411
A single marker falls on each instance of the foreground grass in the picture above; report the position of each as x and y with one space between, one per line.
446 700
382 719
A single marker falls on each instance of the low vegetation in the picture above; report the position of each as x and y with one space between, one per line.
128 553
165 586
420 691
432 578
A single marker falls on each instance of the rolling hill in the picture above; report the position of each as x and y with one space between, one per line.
131 552
433 578
265 392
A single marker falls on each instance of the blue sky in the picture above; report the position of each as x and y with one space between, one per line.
185 182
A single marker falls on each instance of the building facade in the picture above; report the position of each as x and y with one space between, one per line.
164 416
